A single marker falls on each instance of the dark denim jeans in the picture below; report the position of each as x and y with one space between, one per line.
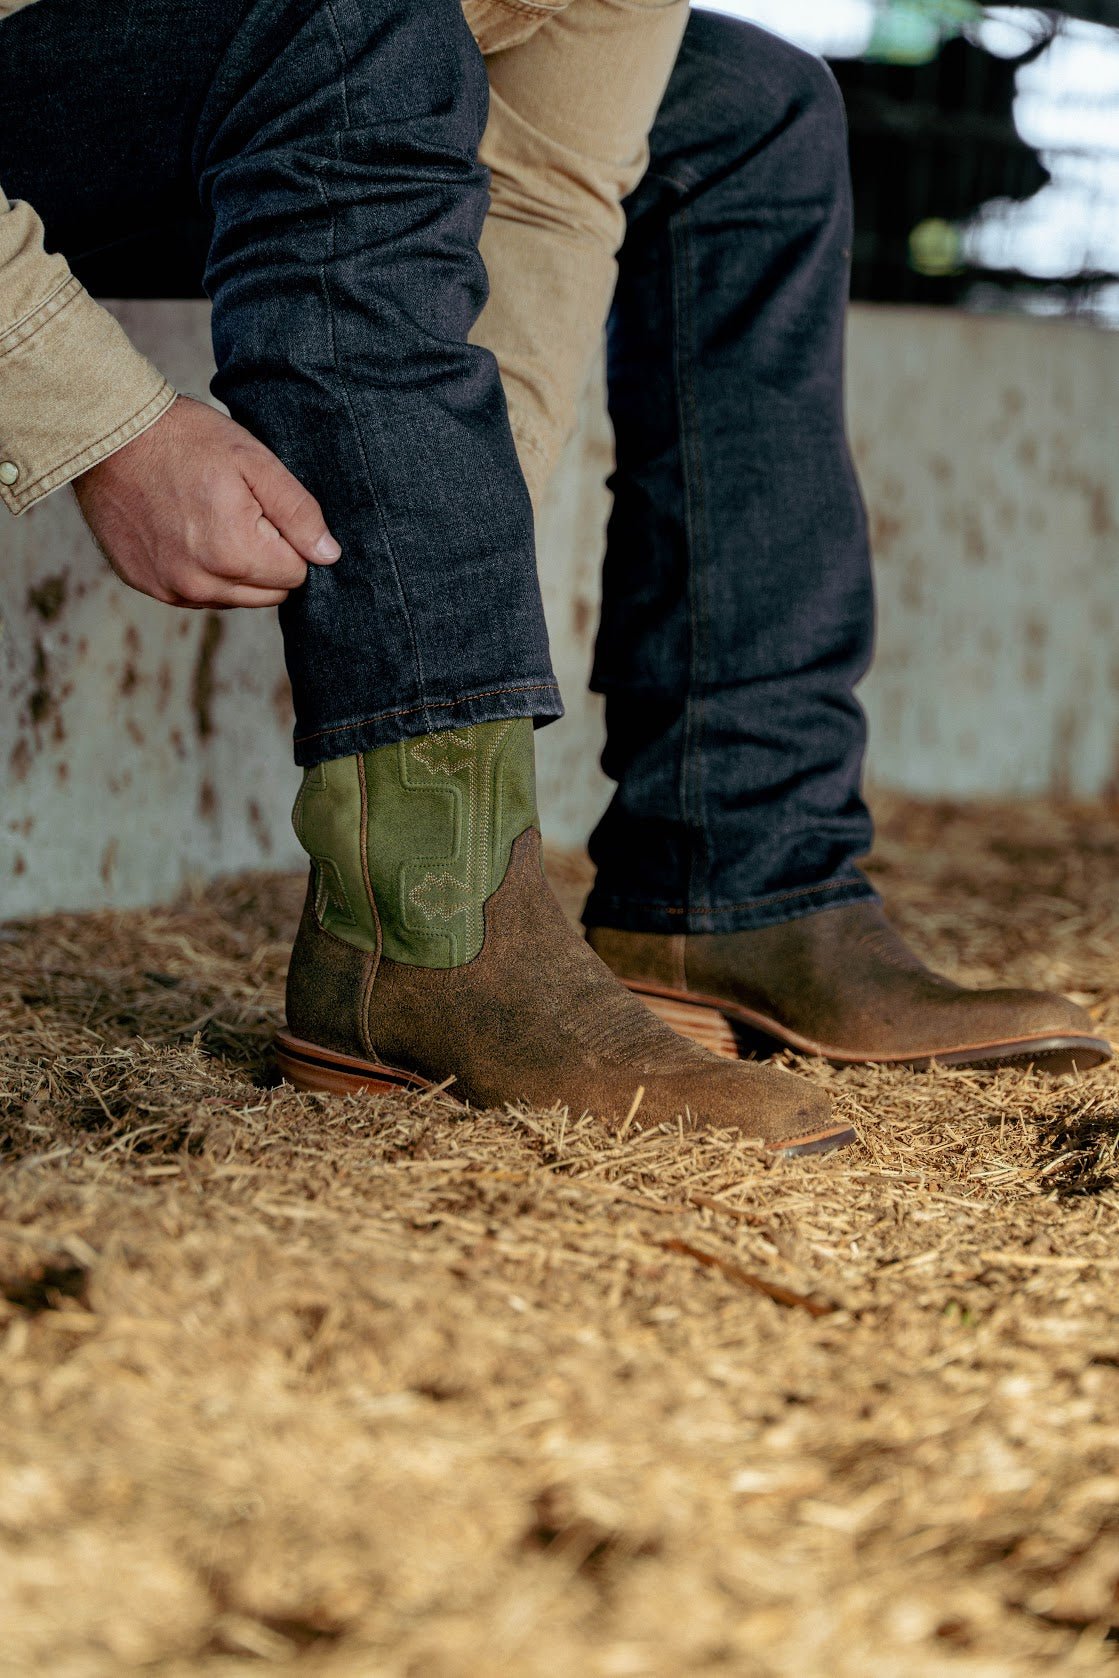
738 611
315 163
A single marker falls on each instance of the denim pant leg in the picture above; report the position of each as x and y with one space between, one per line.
337 156
328 151
738 605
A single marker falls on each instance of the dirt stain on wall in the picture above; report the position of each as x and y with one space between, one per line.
207 801
258 826
203 686
19 764
46 599
40 702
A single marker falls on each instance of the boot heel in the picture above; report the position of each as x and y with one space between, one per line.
326 1072
705 1026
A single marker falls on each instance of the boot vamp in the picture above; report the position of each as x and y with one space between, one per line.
537 1018
845 978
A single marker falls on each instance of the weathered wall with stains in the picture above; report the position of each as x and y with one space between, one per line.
140 746
987 449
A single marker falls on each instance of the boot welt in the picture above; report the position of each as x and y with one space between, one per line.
327 1072
729 1029
310 1067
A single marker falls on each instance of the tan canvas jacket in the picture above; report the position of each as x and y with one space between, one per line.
571 106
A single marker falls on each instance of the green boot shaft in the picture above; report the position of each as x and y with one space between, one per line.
409 841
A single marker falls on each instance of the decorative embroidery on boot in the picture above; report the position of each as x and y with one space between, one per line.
424 828
440 897
446 904
446 753
444 810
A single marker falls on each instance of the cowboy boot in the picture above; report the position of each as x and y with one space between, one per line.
432 952
842 984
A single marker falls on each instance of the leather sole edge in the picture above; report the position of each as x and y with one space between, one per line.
716 1025
824 1142
321 1071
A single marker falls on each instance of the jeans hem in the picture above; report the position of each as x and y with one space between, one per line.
539 700
627 915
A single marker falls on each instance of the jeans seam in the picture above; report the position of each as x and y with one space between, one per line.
428 705
691 769
343 385
772 214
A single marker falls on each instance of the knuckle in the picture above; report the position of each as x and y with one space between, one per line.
295 499
231 502
281 577
224 565
268 548
196 590
290 503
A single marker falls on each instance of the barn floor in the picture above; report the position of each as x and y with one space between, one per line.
372 1389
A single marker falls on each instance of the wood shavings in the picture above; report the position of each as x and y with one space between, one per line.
375 1389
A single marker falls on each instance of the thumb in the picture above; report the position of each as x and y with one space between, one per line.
291 508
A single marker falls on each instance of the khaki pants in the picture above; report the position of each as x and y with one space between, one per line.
574 88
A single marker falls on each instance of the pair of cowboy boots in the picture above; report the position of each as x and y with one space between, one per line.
433 952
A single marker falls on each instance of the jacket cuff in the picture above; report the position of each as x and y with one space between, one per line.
73 390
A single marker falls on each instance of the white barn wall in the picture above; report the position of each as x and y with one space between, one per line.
141 747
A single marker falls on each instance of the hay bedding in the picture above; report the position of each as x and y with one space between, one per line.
372 1389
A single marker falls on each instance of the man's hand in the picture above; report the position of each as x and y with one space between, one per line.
195 512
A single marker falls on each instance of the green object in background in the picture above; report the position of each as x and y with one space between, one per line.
913 31
934 248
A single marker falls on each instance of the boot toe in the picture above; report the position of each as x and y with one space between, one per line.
1045 1027
789 1114
1045 1014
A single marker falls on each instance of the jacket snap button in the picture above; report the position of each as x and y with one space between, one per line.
9 472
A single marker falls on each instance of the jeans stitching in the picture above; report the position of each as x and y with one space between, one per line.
691 770
432 705
359 435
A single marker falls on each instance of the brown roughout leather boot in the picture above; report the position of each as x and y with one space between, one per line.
432 949
843 985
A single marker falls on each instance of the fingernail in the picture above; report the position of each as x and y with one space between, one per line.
327 548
